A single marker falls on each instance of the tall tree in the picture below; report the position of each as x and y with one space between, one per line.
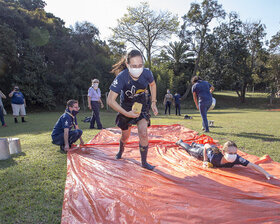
143 27
275 43
178 53
198 18
274 63
234 54
254 33
32 4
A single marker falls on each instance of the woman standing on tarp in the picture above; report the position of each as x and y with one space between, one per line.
202 90
131 83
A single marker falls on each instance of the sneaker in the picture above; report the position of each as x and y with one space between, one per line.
4 125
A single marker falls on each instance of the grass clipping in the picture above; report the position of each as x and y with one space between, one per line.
137 107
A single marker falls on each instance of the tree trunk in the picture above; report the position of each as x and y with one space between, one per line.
243 92
186 92
271 99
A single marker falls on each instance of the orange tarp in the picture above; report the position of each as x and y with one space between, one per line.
101 189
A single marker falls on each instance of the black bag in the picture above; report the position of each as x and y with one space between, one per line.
187 117
87 119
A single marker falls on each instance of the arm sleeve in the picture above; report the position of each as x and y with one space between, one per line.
117 85
193 88
89 92
150 77
66 122
241 161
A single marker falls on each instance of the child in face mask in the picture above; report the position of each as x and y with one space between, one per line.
227 157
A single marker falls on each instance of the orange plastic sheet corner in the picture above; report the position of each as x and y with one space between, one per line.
101 189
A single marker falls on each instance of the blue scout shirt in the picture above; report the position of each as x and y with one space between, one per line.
130 90
17 98
66 120
215 159
202 90
177 98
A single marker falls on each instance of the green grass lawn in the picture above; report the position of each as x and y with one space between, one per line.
32 183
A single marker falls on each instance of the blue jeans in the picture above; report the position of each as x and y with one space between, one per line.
2 116
167 105
195 150
203 108
73 137
178 107
95 115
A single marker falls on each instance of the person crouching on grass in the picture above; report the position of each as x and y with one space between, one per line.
62 134
227 157
131 83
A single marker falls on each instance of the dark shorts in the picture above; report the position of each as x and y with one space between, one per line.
124 122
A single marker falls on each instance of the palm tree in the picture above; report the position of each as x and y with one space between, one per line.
178 54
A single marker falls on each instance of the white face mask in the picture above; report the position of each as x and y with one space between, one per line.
230 157
135 72
95 85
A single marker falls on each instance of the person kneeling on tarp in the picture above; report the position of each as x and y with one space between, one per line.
62 134
227 157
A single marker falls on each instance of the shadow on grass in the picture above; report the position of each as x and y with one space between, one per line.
216 127
10 162
263 137
7 163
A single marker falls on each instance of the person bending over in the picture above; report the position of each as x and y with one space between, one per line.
131 84
202 96
62 134
227 157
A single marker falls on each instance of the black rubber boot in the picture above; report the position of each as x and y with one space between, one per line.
121 149
144 152
22 119
62 149
15 120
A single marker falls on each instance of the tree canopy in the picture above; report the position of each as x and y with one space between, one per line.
52 63
144 28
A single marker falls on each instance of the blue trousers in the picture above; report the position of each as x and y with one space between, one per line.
95 115
73 137
167 105
2 116
203 108
178 107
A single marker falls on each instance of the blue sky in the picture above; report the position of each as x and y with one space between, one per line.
104 13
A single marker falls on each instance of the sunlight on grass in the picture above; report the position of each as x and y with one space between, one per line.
32 183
